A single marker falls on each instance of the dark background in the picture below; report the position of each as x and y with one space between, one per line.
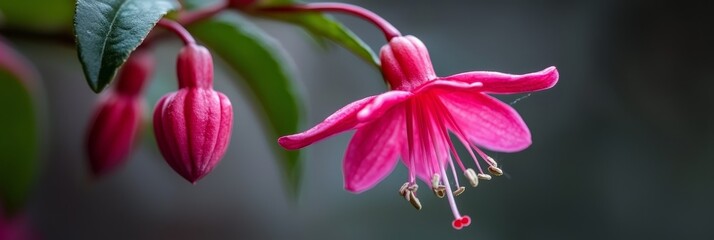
622 146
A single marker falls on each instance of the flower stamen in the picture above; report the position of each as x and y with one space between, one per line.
472 177
495 171
439 190
408 191
459 191
483 176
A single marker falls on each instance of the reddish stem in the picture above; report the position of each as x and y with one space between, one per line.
178 29
192 17
387 28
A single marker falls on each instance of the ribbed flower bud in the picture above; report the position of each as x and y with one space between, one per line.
406 63
193 125
117 118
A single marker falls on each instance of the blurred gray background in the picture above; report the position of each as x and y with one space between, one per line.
622 146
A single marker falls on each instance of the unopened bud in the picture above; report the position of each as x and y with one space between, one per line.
117 119
193 125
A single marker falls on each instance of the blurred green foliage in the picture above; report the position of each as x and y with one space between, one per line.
18 141
253 55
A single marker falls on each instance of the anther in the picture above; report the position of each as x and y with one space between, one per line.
440 191
459 191
414 187
483 176
491 161
495 171
435 180
471 176
403 189
414 200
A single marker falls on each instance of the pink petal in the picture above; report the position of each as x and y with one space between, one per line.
373 151
381 104
495 82
348 117
487 122
340 121
449 86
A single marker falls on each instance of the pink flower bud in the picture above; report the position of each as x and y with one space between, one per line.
193 125
406 63
117 119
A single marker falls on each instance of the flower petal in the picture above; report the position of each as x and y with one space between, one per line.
340 121
487 122
373 151
495 82
348 117
449 86
381 104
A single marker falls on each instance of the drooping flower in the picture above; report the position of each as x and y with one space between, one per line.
413 121
193 125
117 120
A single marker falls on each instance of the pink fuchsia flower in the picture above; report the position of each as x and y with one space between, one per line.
193 125
117 120
414 118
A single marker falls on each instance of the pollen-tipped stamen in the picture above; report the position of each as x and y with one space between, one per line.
483 176
493 166
495 171
414 201
460 135
459 191
471 176
439 190
491 161
403 189
443 132
408 191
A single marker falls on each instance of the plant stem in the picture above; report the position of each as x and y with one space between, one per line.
387 28
191 17
178 29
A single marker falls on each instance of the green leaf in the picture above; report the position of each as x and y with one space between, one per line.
40 15
108 31
253 56
18 141
324 26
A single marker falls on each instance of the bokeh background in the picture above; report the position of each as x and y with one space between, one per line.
622 146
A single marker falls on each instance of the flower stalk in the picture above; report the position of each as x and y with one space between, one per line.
387 28
178 29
